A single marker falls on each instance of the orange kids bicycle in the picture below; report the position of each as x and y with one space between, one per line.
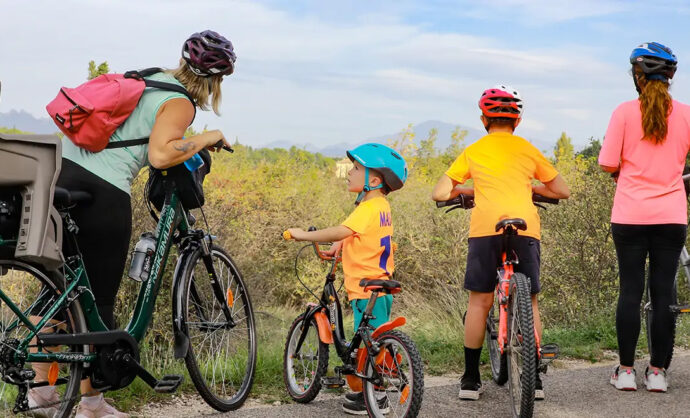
384 363
515 349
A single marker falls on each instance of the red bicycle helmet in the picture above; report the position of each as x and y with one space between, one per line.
501 101
208 53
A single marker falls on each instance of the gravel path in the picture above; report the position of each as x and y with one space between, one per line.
577 390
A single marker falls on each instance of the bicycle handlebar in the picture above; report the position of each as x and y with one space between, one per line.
287 236
221 144
466 201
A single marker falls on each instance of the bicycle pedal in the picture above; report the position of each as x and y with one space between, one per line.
333 382
549 352
680 308
168 384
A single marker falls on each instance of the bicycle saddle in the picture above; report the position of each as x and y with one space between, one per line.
388 286
515 222
63 198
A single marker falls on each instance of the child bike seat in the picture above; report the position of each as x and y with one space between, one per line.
387 286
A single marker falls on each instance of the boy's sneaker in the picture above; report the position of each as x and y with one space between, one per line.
624 380
46 395
655 380
470 388
538 389
357 406
97 407
355 397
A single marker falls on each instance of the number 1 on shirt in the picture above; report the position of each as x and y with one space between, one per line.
386 244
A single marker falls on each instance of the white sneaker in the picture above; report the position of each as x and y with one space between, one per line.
624 380
655 380
45 395
97 407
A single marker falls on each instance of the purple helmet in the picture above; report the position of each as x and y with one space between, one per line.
208 53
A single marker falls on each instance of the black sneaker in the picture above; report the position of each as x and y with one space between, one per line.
359 408
470 388
355 397
538 389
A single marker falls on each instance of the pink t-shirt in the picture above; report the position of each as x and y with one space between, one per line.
650 188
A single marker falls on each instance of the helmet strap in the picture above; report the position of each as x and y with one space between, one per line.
366 187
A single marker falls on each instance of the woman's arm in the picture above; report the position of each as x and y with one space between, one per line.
332 234
556 188
166 146
609 169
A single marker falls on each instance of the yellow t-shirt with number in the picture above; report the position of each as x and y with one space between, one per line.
368 253
502 167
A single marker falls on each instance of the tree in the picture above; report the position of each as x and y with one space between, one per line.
564 148
591 150
96 71
457 144
427 147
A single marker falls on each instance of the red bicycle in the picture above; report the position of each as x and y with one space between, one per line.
510 331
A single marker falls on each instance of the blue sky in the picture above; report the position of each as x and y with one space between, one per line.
329 72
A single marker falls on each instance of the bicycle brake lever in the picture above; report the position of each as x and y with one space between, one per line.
454 207
540 206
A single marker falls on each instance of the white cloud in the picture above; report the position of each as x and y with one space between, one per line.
304 78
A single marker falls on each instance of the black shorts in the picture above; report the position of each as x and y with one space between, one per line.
484 257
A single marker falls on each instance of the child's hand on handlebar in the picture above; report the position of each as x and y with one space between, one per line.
334 251
295 233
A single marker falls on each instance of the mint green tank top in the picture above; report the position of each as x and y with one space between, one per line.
119 166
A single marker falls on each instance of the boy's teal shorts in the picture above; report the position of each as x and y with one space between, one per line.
381 312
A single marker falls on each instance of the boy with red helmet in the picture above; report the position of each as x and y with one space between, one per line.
502 167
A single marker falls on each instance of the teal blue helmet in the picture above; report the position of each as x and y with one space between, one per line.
385 160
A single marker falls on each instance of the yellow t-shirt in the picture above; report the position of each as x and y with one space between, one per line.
502 167
368 253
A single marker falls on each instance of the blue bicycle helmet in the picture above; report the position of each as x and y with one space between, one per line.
385 160
655 60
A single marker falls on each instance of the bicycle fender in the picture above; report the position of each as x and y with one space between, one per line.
325 334
181 339
397 322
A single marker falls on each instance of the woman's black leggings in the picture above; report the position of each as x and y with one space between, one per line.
105 227
663 244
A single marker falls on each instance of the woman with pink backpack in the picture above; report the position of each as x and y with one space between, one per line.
159 118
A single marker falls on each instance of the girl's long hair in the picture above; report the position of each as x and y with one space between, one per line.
656 106
205 90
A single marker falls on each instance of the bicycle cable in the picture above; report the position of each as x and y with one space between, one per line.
300 279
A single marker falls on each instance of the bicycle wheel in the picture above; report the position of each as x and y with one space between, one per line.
34 293
648 315
522 349
499 362
303 370
400 367
221 359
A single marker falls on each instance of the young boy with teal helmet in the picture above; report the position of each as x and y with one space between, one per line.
365 236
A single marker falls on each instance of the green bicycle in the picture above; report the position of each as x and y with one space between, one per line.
50 326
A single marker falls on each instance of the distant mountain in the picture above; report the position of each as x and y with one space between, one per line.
444 131
25 121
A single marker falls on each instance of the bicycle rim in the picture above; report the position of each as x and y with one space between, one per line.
522 368
303 370
400 367
221 360
498 361
34 293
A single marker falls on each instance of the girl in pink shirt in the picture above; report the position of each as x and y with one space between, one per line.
646 144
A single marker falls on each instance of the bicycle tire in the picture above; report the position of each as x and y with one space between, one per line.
522 370
498 361
202 327
404 395
648 314
309 380
15 280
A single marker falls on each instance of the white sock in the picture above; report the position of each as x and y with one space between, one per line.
92 401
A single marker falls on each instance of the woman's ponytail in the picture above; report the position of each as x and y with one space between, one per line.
656 106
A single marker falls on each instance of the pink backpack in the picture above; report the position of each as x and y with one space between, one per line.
90 113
